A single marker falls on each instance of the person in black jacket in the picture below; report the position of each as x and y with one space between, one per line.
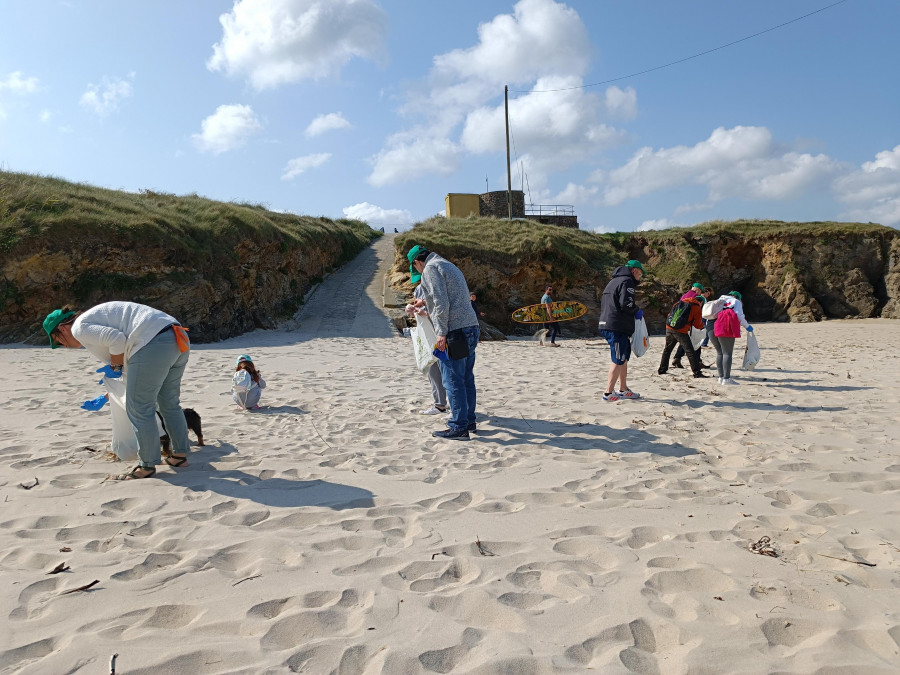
618 312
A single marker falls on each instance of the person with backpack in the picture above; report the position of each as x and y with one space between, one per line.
683 315
728 322
618 312
703 295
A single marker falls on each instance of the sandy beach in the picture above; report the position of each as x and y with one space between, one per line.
329 532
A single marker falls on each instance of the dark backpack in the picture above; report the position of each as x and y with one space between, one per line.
680 314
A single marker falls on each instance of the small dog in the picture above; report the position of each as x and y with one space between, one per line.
193 423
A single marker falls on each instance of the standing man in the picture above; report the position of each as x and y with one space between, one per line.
446 296
618 312
551 328
681 336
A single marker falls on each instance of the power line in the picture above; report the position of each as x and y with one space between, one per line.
686 58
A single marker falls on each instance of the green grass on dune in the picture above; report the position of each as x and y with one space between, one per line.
36 209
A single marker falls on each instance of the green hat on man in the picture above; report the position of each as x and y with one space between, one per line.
414 276
635 264
698 286
51 323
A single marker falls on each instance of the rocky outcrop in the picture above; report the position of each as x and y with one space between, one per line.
255 285
785 271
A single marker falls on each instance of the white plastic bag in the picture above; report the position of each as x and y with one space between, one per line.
423 339
640 340
751 352
124 441
697 335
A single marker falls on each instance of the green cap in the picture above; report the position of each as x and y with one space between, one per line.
243 357
737 294
414 277
51 323
635 263
698 286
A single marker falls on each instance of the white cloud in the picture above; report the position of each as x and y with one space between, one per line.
328 122
300 164
660 224
15 83
378 217
740 162
621 103
275 42
104 98
226 129
873 192
543 44
408 155
45 116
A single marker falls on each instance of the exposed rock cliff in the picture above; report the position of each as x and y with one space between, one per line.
239 268
785 271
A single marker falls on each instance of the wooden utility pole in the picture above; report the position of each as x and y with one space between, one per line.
508 174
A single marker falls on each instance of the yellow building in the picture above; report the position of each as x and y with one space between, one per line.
462 205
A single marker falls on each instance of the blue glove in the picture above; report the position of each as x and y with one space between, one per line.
750 329
109 372
442 355
94 404
639 314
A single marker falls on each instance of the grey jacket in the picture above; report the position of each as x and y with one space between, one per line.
446 296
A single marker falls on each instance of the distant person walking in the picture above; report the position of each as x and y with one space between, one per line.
551 328
150 349
681 336
446 297
618 312
727 329
474 300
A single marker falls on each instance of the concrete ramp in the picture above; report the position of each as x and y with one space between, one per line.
350 302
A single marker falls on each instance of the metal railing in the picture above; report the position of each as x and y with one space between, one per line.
549 210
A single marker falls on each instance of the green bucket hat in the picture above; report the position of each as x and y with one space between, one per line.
698 286
635 263
414 277
51 323
737 294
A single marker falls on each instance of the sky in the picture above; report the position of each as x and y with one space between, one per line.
376 109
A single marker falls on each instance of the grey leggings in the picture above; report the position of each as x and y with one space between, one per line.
437 385
724 350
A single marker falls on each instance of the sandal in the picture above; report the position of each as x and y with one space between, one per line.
132 475
175 460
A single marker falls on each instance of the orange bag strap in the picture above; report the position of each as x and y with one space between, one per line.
181 338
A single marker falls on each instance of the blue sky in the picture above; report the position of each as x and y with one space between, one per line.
376 109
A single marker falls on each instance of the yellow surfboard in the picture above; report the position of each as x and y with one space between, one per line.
565 310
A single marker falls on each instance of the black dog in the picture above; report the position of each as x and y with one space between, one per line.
193 423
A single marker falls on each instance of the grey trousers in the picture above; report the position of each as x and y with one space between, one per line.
154 379
724 351
437 385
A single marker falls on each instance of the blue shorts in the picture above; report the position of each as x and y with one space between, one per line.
619 345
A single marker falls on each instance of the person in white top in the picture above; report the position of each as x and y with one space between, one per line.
147 347
246 383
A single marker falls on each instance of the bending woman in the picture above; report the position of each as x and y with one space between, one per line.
727 329
150 349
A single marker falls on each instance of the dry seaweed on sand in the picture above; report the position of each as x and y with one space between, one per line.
764 547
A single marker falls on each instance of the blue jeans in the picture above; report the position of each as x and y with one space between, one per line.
459 381
153 379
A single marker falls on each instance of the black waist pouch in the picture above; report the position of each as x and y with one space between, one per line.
457 344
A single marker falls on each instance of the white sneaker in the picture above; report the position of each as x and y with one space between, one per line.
729 380
433 410
721 380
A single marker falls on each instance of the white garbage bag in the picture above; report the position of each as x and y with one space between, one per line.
640 340
697 336
124 441
751 352
423 339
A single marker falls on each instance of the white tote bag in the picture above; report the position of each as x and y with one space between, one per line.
423 339
640 341
751 352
